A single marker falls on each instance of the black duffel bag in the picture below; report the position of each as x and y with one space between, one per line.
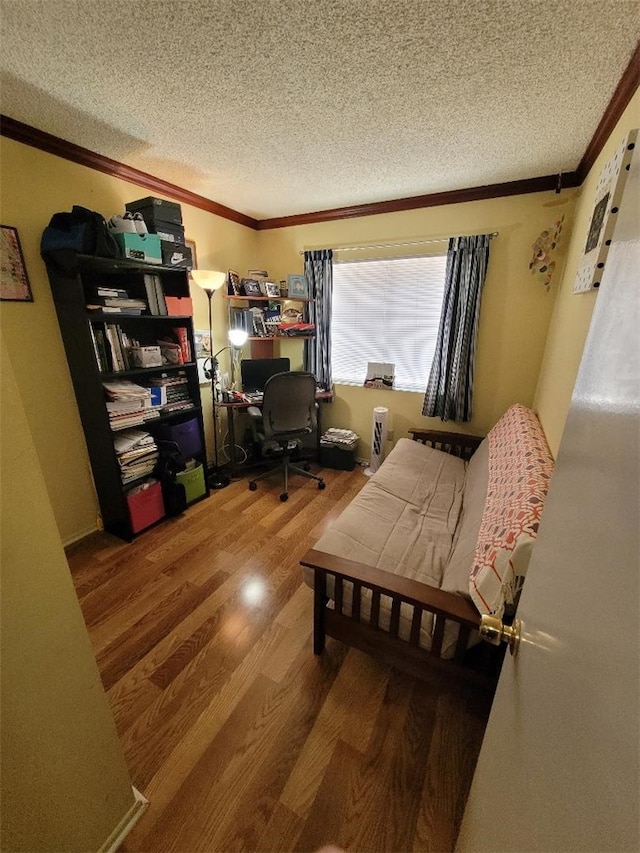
81 231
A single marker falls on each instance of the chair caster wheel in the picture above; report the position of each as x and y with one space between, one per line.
284 497
253 487
322 485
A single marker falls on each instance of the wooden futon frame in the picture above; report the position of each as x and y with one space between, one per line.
478 666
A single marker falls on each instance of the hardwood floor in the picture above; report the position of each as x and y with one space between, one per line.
238 735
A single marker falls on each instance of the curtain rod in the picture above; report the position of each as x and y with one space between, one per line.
394 245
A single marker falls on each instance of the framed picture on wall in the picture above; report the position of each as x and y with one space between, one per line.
14 281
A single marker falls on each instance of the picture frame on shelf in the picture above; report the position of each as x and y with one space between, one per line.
14 281
233 283
298 286
272 289
259 326
251 287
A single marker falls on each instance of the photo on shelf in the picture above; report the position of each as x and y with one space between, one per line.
259 327
233 283
298 287
272 289
251 287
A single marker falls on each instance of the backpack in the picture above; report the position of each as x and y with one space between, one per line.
171 461
81 231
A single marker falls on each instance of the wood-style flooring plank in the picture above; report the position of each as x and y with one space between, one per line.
348 715
457 737
239 736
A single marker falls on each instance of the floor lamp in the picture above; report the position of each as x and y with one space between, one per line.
210 281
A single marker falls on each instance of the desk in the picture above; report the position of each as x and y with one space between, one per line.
233 408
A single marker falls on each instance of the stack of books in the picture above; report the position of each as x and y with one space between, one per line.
113 300
111 345
128 404
170 393
137 454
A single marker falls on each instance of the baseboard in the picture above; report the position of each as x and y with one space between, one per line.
127 823
78 536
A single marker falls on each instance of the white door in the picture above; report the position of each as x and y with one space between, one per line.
559 765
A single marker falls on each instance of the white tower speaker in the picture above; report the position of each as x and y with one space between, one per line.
378 439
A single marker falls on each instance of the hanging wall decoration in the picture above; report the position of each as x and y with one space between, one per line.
607 202
543 261
14 281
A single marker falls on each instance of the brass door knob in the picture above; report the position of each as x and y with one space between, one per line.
494 631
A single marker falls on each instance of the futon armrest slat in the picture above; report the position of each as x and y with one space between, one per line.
411 591
456 443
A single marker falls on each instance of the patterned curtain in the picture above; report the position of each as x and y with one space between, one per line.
450 387
318 269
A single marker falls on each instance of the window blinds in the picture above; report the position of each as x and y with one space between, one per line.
386 311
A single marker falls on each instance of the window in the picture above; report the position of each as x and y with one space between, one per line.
386 311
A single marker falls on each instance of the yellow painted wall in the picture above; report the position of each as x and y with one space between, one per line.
515 314
572 314
35 185
516 310
65 785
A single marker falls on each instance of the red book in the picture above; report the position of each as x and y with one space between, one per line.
183 339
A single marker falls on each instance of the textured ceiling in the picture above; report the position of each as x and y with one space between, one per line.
281 107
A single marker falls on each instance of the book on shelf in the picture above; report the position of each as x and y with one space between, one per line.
120 346
115 302
114 309
99 290
114 347
137 453
125 389
155 295
162 303
150 288
183 339
132 439
96 349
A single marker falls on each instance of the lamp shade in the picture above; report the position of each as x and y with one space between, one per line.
209 280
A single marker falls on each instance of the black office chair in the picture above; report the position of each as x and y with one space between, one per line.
288 413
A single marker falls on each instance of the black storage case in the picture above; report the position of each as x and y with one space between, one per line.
156 208
339 458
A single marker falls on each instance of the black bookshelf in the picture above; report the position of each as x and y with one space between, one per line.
71 293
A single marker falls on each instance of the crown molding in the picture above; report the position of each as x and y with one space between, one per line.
28 135
625 90
528 185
